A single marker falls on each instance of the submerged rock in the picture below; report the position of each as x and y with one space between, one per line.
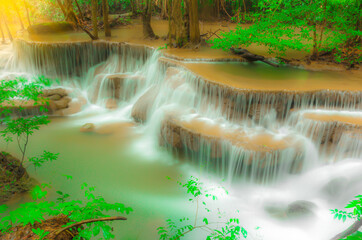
295 210
88 127
335 187
121 128
300 208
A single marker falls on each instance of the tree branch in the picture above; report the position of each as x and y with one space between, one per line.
88 221
352 229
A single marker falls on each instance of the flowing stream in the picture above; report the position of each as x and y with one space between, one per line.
283 160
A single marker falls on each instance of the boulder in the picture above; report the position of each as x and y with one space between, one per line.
143 105
55 91
62 103
55 97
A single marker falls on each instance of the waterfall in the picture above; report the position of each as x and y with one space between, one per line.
258 136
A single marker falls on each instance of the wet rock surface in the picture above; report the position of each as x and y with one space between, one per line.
259 156
13 177
53 100
142 107
116 86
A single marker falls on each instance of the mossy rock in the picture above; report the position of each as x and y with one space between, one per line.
50 225
51 27
13 177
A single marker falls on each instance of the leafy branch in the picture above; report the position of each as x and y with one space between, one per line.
90 212
222 229
352 232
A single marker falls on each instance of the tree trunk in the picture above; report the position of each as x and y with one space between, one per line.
19 16
6 26
2 32
164 12
63 9
79 10
315 43
194 22
27 12
70 15
323 26
146 20
133 7
177 28
170 29
107 28
94 18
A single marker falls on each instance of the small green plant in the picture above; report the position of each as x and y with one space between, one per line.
163 47
45 157
21 128
40 233
91 213
227 229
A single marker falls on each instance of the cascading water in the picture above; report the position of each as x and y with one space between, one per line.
247 137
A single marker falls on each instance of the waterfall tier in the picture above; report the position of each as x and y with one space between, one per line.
258 134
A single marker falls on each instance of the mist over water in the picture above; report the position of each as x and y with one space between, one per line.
277 152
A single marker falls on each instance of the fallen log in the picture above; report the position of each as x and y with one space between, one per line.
251 57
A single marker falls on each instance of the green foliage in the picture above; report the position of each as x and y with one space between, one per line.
91 207
356 213
298 25
47 82
227 229
40 233
355 205
22 91
45 157
355 236
50 10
